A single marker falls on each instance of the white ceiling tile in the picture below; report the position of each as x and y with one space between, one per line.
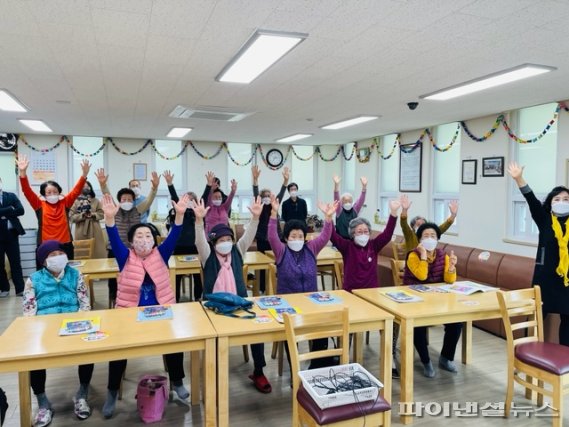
120 28
180 18
137 6
60 11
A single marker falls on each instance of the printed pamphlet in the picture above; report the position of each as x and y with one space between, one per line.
265 303
187 258
468 288
427 288
277 313
80 326
154 312
324 298
403 296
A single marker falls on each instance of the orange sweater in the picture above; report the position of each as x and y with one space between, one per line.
52 219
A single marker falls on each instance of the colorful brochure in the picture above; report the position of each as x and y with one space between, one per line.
427 288
265 303
80 326
324 298
403 296
467 288
154 312
277 313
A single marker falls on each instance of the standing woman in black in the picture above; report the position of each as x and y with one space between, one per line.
552 260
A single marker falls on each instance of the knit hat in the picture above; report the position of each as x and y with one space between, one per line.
220 230
45 249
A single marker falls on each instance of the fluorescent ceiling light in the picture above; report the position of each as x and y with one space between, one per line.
178 132
36 125
295 137
9 102
262 50
349 122
492 80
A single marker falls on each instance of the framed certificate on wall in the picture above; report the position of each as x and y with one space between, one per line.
410 168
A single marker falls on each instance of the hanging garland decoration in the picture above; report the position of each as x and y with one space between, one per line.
353 151
203 156
41 150
395 143
83 154
451 143
253 152
264 158
409 148
488 134
300 158
153 145
537 138
146 144
331 159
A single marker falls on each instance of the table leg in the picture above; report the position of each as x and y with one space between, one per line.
338 271
25 399
223 381
210 383
406 339
173 279
386 359
195 377
358 351
467 342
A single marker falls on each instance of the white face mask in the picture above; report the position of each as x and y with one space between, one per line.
52 199
216 202
429 243
266 200
295 245
56 263
361 239
347 206
143 247
127 206
293 193
224 248
136 191
560 208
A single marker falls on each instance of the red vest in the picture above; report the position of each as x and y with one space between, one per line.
131 277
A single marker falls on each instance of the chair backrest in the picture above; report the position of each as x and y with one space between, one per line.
397 270
521 311
273 276
83 249
399 250
304 327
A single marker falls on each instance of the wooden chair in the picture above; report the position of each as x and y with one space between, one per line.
84 249
304 327
397 270
399 250
528 354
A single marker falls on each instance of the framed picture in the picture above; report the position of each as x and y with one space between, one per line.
469 171
410 168
139 171
493 166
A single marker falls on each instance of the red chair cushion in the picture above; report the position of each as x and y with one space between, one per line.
548 356
339 413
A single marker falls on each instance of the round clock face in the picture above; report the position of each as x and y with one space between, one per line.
275 157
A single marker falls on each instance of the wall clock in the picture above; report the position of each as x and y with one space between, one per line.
275 157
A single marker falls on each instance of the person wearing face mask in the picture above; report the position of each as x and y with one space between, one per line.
296 260
52 207
261 236
213 183
360 252
294 207
222 261
219 209
427 264
409 232
56 288
144 280
186 244
134 185
10 230
86 213
552 258
347 210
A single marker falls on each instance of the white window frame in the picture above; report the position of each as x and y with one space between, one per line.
384 196
163 194
244 194
92 179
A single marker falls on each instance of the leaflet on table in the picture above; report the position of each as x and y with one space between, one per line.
427 288
467 288
268 302
187 258
324 298
80 326
154 312
403 296
76 263
277 313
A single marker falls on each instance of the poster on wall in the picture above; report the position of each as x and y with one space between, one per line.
42 166
410 168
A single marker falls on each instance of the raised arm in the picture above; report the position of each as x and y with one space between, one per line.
536 208
453 208
32 197
169 177
103 180
210 179
408 233
277 246
167 247
337 180
227 204
110 210
200 211
255 172
385 236
286 176
361 200
70 198
320 241
249 234
147 202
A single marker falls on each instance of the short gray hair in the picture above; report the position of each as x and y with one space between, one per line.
355 222
347 195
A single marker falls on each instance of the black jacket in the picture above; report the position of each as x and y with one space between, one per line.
11 209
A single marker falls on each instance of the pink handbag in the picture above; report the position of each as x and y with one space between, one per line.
151 397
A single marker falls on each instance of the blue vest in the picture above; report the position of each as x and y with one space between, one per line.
297 272
212 267
53 297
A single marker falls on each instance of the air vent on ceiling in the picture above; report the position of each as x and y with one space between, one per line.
181 112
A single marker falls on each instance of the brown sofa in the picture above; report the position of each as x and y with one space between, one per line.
505 271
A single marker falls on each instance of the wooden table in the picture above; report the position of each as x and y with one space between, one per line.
31 343
178 267
435 309
98 269
259 261
234 332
